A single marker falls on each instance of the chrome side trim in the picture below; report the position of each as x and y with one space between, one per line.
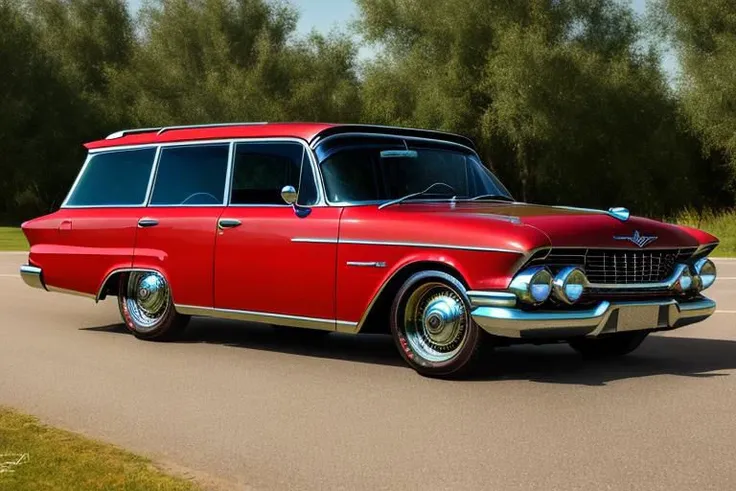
492 299
314 240
264 317
367 264
98 297
32 276
605 318
427 245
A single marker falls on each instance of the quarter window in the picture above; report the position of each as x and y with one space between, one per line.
261 170
191 176
114 179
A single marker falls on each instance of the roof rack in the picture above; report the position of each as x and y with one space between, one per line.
163 129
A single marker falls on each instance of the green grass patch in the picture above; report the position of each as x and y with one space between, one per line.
52 459
721 224
12 239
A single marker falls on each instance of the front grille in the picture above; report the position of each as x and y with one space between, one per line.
618 266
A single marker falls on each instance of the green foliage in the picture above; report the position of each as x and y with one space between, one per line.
704 34
561 96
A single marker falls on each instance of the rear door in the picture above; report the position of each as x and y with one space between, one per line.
94 231
177 233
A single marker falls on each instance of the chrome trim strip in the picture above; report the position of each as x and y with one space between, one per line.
152 177
263 317
312 240
491 299
205 126
631 316
32 276
367 264
427 245
133 131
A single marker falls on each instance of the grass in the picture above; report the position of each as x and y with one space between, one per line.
722 225
12 239
59 460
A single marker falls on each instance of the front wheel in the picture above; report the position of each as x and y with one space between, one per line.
432 326
610 346
147 307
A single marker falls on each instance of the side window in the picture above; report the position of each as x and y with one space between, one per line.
118 178
191 175
262 169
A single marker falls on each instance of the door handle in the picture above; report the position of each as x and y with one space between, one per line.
223 223
147 222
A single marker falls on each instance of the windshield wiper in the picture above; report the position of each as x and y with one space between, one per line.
414 195
499 197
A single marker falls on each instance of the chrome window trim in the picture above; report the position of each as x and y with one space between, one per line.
316 176
87 160
321 202
158 164
316 143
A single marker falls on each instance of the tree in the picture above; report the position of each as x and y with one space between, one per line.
564 103
704 36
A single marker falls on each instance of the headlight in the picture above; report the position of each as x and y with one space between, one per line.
569 285
533 285
706 269
686 281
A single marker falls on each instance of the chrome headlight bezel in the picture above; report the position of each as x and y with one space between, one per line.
533 285
706 271
569 276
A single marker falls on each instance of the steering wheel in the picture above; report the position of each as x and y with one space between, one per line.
214 199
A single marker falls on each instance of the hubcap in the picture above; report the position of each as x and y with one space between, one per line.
147 300
435 322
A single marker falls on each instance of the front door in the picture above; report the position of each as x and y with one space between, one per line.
177 233
272 265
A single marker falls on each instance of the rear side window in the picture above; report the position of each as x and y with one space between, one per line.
114 179
191 175
263 169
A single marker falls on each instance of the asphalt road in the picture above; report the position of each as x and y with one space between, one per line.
255 407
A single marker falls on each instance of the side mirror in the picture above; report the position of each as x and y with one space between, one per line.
288 194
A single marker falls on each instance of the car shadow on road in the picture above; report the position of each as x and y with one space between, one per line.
554 364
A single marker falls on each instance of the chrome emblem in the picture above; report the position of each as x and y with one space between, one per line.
637 238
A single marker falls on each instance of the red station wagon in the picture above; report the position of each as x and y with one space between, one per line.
358 229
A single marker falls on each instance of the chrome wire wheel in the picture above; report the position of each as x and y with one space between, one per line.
435 322
147 300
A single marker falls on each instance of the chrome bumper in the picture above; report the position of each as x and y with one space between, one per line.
32 276
605 318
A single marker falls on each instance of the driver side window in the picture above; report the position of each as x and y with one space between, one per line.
191 175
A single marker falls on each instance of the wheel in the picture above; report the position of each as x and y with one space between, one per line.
147 308
610 346
432 326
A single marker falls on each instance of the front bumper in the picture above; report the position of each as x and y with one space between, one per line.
605 318
32 276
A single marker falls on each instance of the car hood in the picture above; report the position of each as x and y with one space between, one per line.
574 227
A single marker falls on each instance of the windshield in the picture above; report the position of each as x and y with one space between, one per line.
378 171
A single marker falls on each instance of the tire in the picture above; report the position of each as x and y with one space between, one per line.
147 308
610 346
432 326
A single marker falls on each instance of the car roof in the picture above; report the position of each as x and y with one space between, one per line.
312 133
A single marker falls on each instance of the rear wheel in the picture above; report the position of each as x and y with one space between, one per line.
610 346
432 326
147 308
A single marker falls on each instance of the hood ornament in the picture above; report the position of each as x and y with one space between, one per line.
637 238
619 212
